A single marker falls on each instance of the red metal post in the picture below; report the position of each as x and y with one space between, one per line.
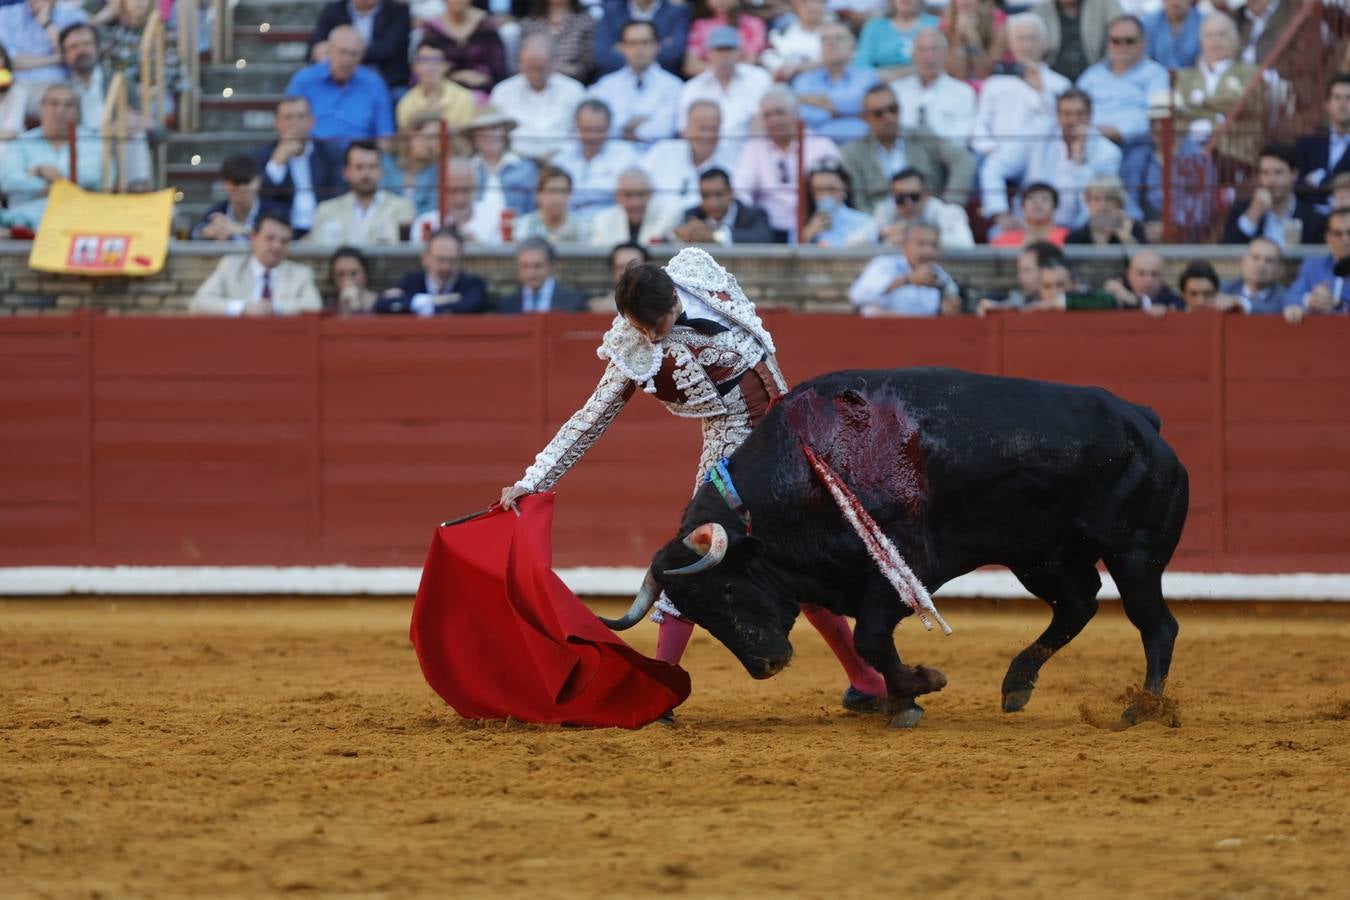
1169 134
74 155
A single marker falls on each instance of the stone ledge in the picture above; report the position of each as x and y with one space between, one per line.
777 277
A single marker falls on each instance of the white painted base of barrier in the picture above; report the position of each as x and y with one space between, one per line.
53 581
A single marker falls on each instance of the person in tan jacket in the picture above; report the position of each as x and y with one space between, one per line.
364 215
1205 95
887 149
260 283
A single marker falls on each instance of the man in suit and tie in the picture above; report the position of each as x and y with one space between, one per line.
384 25
298 172
440 288
540 291
1258 291
1273 211
719 219
1321 157
262 282
364 215
870 162
1323 282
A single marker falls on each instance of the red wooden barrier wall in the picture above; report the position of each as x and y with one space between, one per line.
185 441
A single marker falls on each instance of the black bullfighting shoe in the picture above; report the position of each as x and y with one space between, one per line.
858 702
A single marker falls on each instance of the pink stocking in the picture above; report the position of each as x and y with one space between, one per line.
836 632
673 638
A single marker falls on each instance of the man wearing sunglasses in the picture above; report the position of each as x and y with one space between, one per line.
887 149
1120 87
910 202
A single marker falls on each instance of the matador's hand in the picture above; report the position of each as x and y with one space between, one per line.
510 494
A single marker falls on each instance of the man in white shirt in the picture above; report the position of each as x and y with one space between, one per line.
1016 107
364 215
933 98
1070 156
909 284
674 165
474 222
593 160
766 172
541 100
637 217
263 282
735 86
642 96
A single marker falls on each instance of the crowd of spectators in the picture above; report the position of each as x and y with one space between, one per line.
918 128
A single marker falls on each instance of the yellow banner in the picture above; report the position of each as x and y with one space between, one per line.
84 233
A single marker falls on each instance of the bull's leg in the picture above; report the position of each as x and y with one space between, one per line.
874 638
1140 581
1071 590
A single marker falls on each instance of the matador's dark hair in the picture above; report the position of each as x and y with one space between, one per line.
645 293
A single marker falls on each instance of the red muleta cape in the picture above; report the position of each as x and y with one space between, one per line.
498 634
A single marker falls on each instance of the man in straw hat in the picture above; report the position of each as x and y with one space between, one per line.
505 178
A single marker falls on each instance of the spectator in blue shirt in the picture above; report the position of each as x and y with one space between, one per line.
1120 87
642 97
910 283
1319 288
350 102
830 98
671 22
31 34
1174 34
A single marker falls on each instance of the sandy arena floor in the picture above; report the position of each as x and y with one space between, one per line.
245 748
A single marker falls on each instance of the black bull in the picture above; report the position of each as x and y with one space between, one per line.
960 471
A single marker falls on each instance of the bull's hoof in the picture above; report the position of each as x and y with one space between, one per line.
908 717
859 702
930 680
1016 701
1146 706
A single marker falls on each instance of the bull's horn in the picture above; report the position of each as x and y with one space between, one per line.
642 603
709 540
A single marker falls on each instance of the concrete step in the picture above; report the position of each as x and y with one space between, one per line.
292 13
256 45
195 184
208 149
247 77
249 112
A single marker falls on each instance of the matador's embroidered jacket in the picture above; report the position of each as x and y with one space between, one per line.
728 379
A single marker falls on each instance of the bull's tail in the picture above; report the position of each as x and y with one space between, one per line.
1148 413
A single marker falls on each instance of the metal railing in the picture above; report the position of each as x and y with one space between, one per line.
222 38
153 87
114 128
190 95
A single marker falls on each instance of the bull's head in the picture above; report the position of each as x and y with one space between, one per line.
716 580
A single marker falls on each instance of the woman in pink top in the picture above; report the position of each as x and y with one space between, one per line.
711 14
